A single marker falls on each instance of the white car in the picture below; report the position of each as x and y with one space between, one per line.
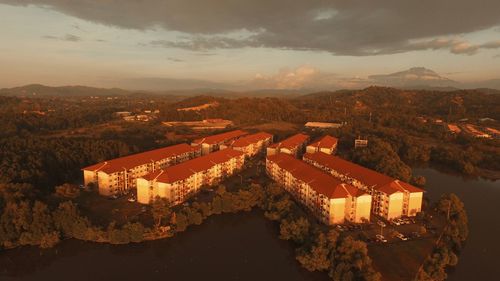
381 223
131 199
401 237
381 238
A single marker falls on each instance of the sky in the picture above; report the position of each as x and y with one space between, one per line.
248 44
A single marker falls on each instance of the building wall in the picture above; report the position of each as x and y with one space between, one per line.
395 206
106 185
327 150
271 151
363 208
388 210
144 191
123 181
177 192
206 148
415 203
311 149
337 210
333 211
89 177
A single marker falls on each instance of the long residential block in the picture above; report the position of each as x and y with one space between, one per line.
213 143
177 183
293 145
326 144
252 144
329 199
392 198
119 175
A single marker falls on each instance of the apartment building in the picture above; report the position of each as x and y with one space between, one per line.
293 145
213 143
118 175
326 144
391 198
179 182
331 200
251 144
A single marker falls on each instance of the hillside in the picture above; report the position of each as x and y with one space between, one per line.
35 90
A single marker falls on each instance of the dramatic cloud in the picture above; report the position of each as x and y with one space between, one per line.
67 37
303 77
341 27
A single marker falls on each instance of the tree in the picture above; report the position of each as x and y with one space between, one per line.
41 225
295 230
181 222
317 257
160 210
69 222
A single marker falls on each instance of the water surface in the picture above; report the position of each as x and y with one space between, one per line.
480 259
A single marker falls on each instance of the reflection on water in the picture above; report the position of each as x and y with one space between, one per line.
227 247
246 247
480 258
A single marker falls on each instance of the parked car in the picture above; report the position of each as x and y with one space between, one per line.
381 223
401 237
113 197
381 238
132 199
415 234
396 222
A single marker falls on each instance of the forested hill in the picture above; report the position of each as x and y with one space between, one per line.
35 90
339 105
457 103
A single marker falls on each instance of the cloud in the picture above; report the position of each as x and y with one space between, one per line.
302 77
204 43
67 37
175 60
340 27
455 45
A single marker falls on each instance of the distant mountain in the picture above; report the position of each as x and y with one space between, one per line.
35 90
490 84
416 77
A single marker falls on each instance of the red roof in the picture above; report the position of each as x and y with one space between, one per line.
134 160
325 142
186 169
364 175
320 181
215 139
251 139
291 142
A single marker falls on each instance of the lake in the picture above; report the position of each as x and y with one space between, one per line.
246 246
480 258
242 246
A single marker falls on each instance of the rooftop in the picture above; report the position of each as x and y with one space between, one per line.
320 181
186 169
291 142
325 142
250 139
215 139
134 160
367 176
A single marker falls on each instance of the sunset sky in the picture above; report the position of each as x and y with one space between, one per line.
247 44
